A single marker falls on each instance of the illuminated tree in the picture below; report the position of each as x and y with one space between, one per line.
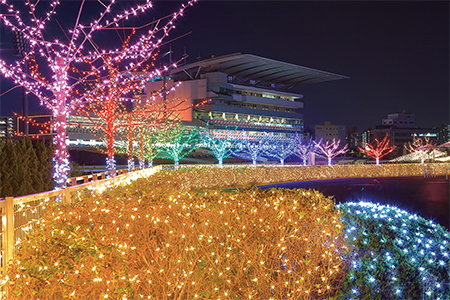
302 149
151 139
218 143
279 147
416 147
250 147
330 149
377 149
54 65
180 144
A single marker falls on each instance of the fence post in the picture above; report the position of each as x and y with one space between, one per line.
67 195
8 230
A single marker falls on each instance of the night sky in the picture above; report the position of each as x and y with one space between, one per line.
396 53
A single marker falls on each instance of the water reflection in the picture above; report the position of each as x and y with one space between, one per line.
428 197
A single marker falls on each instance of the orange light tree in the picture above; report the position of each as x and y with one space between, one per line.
50 61
105 108
415 146
377 149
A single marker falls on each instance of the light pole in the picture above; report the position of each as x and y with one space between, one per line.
21 48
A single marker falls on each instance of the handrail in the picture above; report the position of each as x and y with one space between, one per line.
20 213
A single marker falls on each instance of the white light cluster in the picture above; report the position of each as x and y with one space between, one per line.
403 240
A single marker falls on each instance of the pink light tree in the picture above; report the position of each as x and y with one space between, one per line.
377 149
330 149
303 149
54 64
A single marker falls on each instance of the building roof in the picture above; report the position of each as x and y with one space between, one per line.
259 69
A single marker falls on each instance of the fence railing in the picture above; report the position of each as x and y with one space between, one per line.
20 214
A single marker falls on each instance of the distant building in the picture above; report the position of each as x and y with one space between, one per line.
7 125
353 139
443 134
400 120
241 92
400 127
328 132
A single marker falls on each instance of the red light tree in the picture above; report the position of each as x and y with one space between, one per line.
50 62
331 149
377 149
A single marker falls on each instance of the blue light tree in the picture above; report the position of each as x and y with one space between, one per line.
180 144
303 149
250 147
218 143
279 148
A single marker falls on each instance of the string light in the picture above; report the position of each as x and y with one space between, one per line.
219 143
331 149
389 246
304 149
377 149
250 147
180 143
57 91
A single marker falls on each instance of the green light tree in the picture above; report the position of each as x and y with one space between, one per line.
218 143
180 144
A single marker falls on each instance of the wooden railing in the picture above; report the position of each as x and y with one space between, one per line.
20 214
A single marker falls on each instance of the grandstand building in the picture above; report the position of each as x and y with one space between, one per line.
241 92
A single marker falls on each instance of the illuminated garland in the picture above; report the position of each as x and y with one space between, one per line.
331 149
46 126
377 149
59 91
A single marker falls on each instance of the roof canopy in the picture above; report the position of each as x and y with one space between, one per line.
259 69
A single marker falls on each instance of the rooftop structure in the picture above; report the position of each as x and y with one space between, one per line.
243 91
248 69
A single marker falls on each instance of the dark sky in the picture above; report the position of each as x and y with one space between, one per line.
396 53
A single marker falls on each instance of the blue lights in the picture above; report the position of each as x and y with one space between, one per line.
412 251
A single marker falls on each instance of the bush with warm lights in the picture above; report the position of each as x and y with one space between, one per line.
396 255
150 241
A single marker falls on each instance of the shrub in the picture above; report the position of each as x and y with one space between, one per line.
395 255
152 241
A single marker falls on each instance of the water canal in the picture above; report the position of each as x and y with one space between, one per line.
426 197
